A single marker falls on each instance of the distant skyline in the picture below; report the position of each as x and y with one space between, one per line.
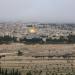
57 11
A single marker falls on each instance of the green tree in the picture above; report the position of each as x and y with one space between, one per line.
0 70
6 72
20 53
29 73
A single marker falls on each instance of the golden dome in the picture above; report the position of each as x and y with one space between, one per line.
32 30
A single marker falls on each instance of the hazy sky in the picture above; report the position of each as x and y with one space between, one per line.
38 10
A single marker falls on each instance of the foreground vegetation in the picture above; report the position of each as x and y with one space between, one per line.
9 72
35 72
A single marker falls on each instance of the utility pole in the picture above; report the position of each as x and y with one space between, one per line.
49 53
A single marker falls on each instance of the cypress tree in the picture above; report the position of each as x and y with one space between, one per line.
29 73
0 70
6 73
